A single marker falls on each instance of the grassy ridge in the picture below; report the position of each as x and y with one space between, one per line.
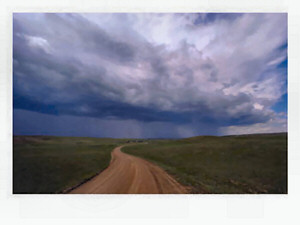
232 164
43 164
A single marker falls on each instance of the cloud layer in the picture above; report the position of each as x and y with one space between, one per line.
220 69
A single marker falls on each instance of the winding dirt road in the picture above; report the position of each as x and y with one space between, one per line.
128 174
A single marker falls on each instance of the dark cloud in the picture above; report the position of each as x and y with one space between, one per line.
68 125
212 17
72 65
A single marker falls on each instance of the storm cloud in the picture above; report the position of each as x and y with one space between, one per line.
192 71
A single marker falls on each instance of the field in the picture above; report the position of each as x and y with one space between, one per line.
229 164
204 164
43 164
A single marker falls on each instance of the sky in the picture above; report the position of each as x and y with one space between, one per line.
149 75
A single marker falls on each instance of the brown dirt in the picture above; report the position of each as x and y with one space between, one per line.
128 174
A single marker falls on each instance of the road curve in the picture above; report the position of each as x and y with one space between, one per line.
128 174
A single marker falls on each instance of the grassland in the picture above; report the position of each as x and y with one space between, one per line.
43 164
230 164
205 164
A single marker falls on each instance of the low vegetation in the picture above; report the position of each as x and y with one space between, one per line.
229 164
205 164
43 164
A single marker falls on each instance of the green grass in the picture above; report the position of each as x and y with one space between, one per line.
44 164
231 164
206 164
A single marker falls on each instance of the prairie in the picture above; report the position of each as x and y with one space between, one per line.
204 164
46 164
222 165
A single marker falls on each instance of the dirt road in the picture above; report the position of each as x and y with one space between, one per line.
128 174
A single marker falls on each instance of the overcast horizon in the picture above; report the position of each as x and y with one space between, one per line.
152 75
